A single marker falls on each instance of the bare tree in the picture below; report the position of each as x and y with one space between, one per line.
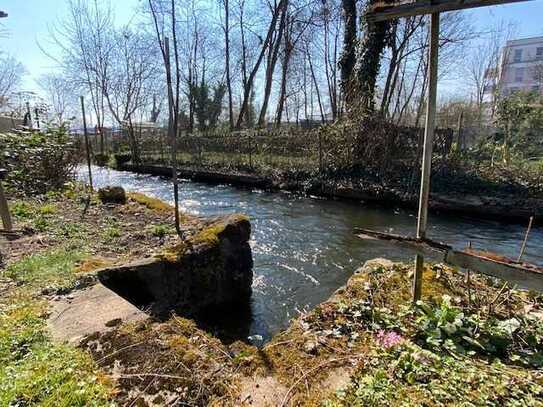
297 20
60 95
249 82
226 27
11 73
129 85
273 53
85 41
482 67
159 14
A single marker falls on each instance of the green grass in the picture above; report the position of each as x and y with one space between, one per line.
161 230
111 232
49 269
48 209
34 371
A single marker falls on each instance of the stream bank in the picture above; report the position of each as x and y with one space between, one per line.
365 339
504 207
304 248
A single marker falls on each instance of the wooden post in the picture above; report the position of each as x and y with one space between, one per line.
86 140
459 138
4 209
523 248
320 153
251 150
29 115
422 219
36 112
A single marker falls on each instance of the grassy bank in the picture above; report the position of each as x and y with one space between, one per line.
62 242
476 343
470 342
33 369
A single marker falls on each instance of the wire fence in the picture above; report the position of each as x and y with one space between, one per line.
319 149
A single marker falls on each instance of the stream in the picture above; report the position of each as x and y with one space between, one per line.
304 248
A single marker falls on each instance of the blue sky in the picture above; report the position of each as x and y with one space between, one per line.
29 20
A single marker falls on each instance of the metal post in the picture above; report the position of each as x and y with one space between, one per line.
86 141
172 132
427 154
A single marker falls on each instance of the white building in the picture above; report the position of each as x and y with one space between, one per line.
522 66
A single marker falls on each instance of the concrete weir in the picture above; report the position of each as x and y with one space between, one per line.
211 268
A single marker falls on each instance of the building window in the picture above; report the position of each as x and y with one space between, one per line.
519 74
539 52
518 55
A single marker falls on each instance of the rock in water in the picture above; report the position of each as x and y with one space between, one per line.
112 195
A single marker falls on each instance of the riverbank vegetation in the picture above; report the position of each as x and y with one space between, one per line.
473 340
261 89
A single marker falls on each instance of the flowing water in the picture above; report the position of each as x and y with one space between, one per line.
304 248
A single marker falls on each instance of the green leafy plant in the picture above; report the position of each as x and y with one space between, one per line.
160 230
48 209
447 327
38 162
21 210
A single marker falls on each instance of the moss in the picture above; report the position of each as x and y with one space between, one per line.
344 331
149 202
191 363
92 264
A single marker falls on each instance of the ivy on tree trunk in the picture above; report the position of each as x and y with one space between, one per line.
359 81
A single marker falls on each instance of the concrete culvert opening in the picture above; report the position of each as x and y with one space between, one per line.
207 280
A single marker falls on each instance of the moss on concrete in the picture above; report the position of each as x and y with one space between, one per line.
208 235
149 202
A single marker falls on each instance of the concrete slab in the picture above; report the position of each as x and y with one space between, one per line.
84 312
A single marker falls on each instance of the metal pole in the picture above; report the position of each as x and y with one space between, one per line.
86 141
427 154
172 132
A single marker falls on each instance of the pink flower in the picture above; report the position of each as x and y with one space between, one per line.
388 339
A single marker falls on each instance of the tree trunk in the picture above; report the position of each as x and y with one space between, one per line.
249 84
227 52
368 61
348 55
271 68
316 87
283 88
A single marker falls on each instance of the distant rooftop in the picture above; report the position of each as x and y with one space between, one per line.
524 41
